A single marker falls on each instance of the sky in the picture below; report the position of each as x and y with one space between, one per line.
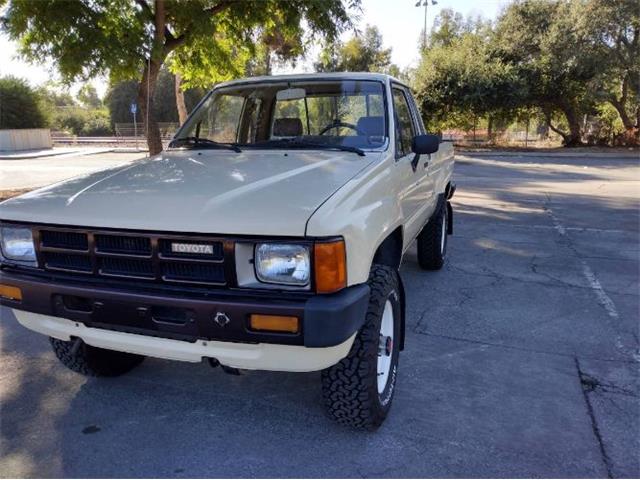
399 21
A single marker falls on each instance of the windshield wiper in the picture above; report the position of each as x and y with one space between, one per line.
298 142
203 143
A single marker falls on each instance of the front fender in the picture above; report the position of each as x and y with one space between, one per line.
364 211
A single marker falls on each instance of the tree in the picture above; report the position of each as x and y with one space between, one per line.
121 95
20 105
458 81
361 53
552 58
613 27
134 39
180 103
89 97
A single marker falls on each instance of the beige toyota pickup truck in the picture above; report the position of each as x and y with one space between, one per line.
268 236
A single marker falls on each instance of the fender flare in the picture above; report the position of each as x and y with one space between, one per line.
403 312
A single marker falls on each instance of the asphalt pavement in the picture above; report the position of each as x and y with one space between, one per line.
521 360
38 171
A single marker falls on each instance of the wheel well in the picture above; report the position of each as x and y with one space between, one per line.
389 252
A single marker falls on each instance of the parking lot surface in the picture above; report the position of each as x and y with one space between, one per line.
521 360
21 173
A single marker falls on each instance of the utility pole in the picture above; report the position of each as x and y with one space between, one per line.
425 4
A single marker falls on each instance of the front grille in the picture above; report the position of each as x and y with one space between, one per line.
144 256
67 261
167 252
66 240
126 267
128 245
193 272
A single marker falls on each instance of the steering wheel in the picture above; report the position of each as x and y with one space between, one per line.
338 124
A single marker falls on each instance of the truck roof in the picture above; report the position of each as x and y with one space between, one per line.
381 77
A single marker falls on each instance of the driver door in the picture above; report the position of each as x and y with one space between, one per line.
413 188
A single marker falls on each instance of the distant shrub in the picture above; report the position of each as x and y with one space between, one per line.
82 122
19 105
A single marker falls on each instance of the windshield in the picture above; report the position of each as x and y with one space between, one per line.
346 113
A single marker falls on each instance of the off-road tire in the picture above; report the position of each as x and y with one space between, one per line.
93 361
350 388
432 249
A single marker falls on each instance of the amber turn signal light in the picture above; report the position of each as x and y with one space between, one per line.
10 293
330 264
274 323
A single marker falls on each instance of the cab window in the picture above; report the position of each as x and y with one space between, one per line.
405 130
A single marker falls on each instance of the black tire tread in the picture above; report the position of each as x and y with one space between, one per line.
429 255
350 387
92 361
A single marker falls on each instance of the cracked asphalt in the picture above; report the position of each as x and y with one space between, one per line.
521 360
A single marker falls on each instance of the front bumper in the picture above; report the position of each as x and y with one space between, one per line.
189 317
261 356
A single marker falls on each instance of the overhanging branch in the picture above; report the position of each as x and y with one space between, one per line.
172 42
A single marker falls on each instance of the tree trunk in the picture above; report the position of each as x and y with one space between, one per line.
574 138
565 136
146 90
150 73
631 134
490 129
180 105
630 130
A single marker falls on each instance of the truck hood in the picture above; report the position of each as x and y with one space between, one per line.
256 192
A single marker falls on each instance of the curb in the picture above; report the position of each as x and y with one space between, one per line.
53 153
626 155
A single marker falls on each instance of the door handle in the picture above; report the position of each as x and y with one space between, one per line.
425 164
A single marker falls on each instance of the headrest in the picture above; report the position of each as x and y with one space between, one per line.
372 126
287 127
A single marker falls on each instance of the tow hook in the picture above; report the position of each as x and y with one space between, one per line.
214 362
77 344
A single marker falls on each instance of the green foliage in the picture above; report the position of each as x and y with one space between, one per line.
20 105
558 58
458 80
82 121
54 95
121 95
361 53
613 28
204 40
89 97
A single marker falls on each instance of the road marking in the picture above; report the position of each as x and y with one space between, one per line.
596 287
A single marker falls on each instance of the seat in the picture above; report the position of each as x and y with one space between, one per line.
372 126
287 127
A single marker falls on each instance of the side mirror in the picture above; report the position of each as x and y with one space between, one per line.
425 144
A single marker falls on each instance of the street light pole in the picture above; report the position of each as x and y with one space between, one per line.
425 4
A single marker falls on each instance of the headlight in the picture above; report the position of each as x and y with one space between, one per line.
282 263
16 244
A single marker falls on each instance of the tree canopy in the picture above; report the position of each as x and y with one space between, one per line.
561 58
204 40
361 53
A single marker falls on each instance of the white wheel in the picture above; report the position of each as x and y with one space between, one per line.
385 347
359 389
